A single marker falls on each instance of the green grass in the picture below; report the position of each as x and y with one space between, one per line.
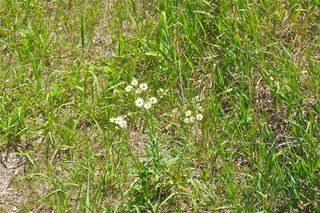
254 64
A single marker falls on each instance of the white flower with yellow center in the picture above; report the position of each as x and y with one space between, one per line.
134 82
188 113
143 86
117 120
128 88
186 120
199 116
147 105
138 91
153 100
139 102
192 119
123 124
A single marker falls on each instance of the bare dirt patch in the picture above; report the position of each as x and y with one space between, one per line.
275 118
137 142
11 198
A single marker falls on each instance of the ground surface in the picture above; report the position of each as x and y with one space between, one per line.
234 126
10 197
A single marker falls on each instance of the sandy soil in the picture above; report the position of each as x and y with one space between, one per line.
11 198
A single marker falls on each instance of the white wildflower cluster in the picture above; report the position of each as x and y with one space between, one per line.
138 89
161 92
135 87
142 99
146 104
191 117
120 120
